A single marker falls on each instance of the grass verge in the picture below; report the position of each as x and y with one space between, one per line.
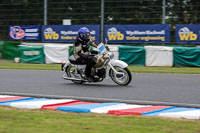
138 69
27 66
47 121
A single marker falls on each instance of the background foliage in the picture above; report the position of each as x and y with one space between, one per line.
31 12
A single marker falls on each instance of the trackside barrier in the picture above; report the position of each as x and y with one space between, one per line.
91 107
159 56
32 54
187 56
9 50
59 53
132 55
1 49
56 53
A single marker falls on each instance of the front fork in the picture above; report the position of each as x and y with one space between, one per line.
118 74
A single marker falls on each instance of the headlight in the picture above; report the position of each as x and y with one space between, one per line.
111 55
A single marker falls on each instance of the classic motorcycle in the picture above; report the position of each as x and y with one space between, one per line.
105 66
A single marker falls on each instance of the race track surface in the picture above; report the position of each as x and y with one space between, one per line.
169 89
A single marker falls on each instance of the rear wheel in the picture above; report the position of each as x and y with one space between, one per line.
124 79
70 71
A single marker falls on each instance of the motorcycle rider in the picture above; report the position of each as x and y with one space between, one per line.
81 51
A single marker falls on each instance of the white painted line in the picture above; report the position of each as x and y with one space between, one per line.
115 107
191 114
3 96
38 104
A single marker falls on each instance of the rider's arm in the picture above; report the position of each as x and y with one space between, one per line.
93 43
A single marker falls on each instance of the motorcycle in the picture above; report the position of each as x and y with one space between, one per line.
105 66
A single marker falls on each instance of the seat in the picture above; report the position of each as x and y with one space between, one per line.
73 61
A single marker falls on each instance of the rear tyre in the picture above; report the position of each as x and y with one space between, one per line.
70 71
121 80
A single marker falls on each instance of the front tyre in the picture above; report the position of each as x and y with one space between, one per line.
121 80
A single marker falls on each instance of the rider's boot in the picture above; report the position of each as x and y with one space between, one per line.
90 78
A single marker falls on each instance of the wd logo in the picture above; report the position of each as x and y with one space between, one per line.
186 34
113 34
49 34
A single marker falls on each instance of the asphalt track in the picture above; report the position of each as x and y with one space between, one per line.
155 89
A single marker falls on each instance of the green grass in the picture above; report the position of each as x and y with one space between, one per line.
137 69
177 70
45 121
26 66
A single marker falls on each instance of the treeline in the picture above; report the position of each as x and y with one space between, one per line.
31 12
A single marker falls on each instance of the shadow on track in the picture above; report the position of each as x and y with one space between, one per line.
97 85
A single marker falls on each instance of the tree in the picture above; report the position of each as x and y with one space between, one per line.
134 12
183 11
31 12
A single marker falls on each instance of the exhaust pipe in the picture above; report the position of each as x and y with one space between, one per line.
68 78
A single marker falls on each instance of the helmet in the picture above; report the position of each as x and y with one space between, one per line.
84 34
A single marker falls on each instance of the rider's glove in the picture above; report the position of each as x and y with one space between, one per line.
90 57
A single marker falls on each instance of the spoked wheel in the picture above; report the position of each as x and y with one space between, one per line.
121 79
70 71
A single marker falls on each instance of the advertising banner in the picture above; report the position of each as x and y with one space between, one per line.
24 32
144 33
188 33
67 33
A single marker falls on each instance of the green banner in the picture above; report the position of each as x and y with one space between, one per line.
187 57
1 49
32 54
10 50
132 55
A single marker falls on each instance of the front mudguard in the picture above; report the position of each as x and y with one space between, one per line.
114 63
119 63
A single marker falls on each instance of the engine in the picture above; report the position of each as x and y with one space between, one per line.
101 73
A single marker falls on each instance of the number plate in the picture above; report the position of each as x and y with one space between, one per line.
101 48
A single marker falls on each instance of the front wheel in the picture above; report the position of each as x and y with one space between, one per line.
124 79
